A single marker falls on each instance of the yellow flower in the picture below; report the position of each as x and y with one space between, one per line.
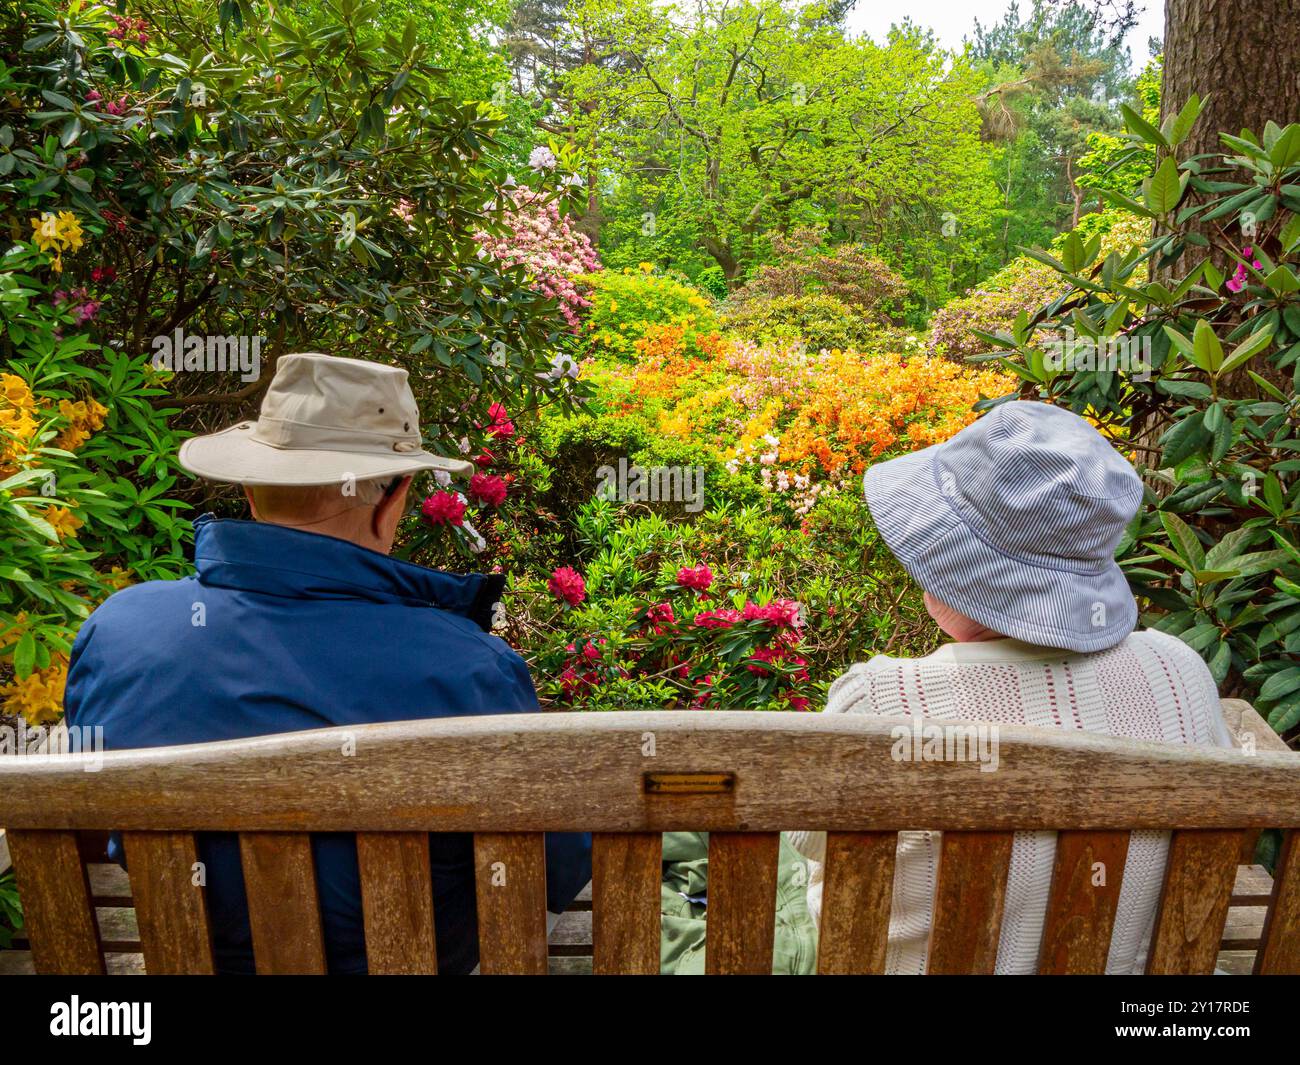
38 697
84 417
56 234
70 230
646 268
64 521
17 419
45 231
613 306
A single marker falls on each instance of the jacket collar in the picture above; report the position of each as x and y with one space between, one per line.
275 560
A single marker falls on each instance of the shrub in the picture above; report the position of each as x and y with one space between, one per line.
847 273
731 611
86 464
543 241
817 321
1214 553
1025 284
262 178
627 303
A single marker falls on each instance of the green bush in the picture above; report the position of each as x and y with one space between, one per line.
626 303
1215 551
817 321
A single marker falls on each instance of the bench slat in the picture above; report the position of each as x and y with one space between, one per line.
397 903
283 908
170 909
1279 951
968 902
58 919
510 877
1201 871
626 870
741 920
1080 912
856 897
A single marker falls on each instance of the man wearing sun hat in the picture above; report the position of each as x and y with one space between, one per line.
1010 529
299 619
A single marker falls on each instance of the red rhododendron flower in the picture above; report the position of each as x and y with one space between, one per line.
500 425
489 488
484 458
697 577
444 508
782 613
717 619
590 650
567 584
777 654
660 616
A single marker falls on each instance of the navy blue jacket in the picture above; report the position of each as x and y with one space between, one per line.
282 630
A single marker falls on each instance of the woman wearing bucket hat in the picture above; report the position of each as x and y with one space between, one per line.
1010 529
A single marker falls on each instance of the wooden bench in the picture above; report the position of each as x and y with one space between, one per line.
743 777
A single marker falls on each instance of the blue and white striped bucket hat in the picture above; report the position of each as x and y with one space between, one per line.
1014 522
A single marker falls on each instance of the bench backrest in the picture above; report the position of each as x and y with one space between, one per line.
627 777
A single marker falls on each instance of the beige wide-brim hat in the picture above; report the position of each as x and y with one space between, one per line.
324 420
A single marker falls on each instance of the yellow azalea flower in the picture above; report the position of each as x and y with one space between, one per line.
38 697
15 391
84 417
64 521
45 231
70 230
646 267
613 306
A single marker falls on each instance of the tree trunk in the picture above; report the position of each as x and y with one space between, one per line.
1243 56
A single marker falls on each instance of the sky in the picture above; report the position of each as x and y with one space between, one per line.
954 19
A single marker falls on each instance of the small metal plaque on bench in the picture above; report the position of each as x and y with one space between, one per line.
689 783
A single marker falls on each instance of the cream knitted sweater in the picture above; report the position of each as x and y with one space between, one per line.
1151 687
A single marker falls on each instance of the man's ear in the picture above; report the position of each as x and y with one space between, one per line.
390 508
252 503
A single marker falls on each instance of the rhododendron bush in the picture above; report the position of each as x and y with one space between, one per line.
547 245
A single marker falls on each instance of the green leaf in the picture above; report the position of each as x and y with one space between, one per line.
1207 350
184 194
1246 350
1185 120
1280 684
1142 127
1281 281
1184 539
1286 715
1164 188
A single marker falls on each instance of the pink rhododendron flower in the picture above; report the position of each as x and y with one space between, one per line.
777 654
567 585
696 577
552 250
489 488
444 508
1238 280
